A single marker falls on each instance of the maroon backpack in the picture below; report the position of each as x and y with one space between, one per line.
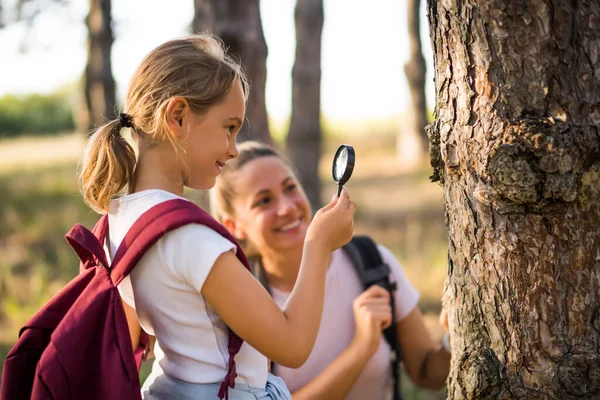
77 346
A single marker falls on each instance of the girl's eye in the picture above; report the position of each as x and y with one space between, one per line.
231 128
291 187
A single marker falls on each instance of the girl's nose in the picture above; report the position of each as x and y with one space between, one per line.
233 150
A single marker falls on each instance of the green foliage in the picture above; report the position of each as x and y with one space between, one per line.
37 209
35 114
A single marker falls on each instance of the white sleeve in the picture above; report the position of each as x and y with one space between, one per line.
190 252
407 297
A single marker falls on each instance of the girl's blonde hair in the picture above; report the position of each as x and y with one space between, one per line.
195 68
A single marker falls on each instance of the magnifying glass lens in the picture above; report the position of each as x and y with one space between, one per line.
340 164
343 164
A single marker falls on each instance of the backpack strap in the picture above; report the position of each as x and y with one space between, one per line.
148 229
87 246
371 270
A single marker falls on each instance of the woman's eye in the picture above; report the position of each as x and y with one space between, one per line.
290 188
231 128
262 202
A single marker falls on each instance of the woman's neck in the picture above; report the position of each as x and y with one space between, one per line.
282 268
153 171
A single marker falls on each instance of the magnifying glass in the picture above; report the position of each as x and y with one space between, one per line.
343 164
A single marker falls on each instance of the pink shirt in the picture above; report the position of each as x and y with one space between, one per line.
337 328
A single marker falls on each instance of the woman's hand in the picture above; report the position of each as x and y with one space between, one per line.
372 314
444 313
444 318
333 225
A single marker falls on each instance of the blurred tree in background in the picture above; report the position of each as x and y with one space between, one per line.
516 145
99 82
238 24
413 143
304 138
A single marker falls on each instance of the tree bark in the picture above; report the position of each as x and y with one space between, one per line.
303 140
413 143
99 81
516 145
238 24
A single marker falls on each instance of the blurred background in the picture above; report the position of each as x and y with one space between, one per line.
324 72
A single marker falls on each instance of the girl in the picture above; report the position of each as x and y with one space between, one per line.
184 107
258 198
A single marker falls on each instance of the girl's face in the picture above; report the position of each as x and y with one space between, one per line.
271 209
209 140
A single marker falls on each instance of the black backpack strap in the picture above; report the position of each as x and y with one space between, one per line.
371 270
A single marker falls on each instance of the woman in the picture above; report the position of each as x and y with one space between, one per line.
260 201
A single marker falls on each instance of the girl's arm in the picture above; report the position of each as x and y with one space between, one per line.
134 326
427 362
286 335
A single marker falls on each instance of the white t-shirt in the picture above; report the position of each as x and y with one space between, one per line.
337 328
164 288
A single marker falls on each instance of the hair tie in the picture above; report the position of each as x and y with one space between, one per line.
125 120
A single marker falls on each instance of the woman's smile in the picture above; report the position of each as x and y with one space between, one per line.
290 226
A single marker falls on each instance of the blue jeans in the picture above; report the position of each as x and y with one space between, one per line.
164 387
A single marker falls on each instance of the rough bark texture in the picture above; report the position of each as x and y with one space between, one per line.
238 24
516 145
415 71
99 81
304 137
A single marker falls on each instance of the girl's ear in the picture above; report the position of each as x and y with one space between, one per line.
177 110
234 228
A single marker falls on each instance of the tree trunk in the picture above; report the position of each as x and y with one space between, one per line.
413 143
99 81
304 137
238 24
516 145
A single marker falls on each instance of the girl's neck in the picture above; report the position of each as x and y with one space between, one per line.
282 268
154 172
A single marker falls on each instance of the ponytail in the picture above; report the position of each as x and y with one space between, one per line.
107 167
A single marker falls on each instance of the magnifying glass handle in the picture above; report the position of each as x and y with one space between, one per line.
339 190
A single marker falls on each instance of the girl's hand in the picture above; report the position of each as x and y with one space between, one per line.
372 314
333 225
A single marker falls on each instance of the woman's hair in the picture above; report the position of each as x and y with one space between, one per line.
223 193
195 68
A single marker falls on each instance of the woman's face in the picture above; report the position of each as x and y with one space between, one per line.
271 209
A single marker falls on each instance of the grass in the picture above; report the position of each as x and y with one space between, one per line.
39 203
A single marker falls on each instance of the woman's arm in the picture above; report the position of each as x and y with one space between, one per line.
427 363
372 313
336 381
286 335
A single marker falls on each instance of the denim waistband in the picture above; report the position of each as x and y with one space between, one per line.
163 387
